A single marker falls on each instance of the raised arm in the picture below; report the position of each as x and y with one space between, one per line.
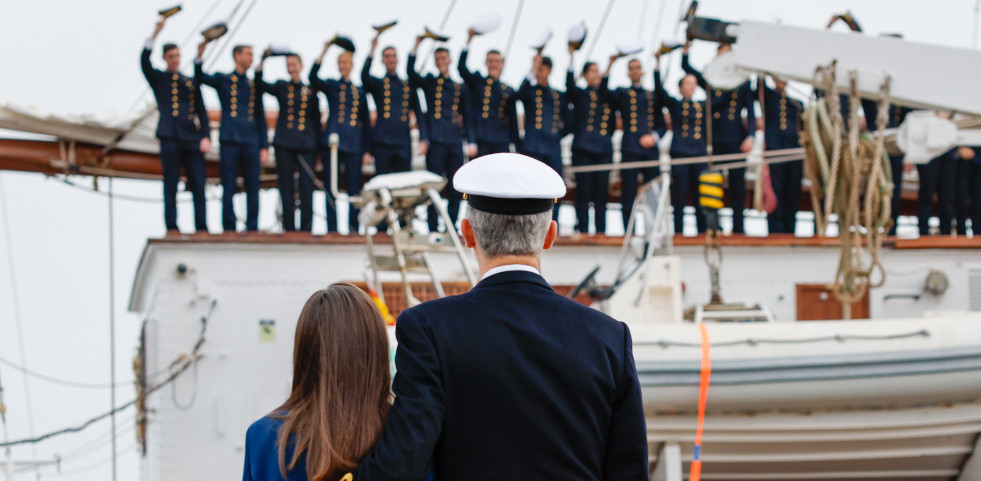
571 91
465 73
199 76
145 65
415 80
261 85
686 66
415 421
371 84
662 95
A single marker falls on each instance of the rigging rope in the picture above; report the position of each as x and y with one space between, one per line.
856 184
599 30
16 305
53 380
112 326
514 28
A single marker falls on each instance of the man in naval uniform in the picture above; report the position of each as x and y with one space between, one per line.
243 134
182 129
297 132
448 124
546 117
643 125
729 134
782 119
394 99
511 380
492 103
592 143
688 127
348 117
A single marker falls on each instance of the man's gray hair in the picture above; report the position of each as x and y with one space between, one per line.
510 235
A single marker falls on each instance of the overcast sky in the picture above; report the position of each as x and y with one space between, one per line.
82 57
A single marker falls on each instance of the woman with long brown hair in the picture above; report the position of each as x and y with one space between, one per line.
341 393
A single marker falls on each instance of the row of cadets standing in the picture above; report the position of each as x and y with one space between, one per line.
729 134
782 117
546 119
592 144
348 117
448 123
183 130
297 132
243 133
688 127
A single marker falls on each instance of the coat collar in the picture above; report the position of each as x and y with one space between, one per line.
509 277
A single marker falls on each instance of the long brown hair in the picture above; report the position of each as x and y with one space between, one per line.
341 385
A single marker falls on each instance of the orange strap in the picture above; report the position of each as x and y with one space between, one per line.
703 388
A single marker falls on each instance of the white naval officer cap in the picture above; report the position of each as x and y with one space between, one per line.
629 47
577 35
486 23
509 184
543 38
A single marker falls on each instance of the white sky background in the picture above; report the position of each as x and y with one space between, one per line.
82 57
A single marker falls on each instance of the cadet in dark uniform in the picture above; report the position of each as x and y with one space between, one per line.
896 117
243 134
182 129
729 134
968 198
643 125
394 99
688 127
492 103
546 117
592 144
533 386
448 125
348 117
782 117
297 132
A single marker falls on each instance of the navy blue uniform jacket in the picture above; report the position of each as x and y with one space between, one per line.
298 123
641 114
593 121
243 120
511 381
546 118
493 106
687 122
782 117
182 114
447 117
394 99
347 113
727 107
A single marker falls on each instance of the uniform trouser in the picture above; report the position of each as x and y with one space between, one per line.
896 164
684 181
554 160
174 156
351 162
235 159
445 159
968 201
737 184
487 148
946 191
591 188
629 182
924 196
392 158
288 165
786 180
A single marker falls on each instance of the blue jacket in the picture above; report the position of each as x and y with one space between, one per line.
492 104
896 114
511 381
243 120
546 118
641 114
448 118
298 123
727 107
182 114
687 122
394 99
782 117
348 116
262 453
593 121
